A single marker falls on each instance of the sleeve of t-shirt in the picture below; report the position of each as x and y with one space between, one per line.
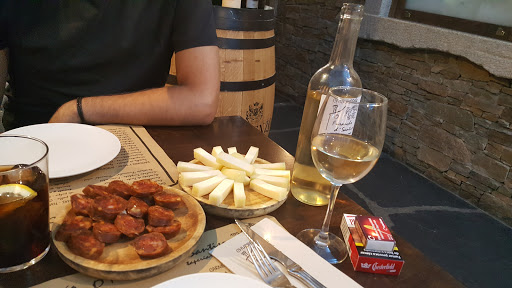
3 26
194 25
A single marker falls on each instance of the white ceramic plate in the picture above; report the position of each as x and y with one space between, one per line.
74 148
212 280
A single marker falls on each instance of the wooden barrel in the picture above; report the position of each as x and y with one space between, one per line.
247 63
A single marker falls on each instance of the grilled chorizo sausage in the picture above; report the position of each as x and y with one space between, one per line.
108 207
136 207
151 245
129 225
167 200
84 244
106 232
168 231
120 188
146 187
159 216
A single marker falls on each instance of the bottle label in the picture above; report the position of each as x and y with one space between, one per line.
339 116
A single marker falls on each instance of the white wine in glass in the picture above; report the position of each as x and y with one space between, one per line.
346 142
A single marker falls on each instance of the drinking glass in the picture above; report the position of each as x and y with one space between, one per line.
346 142
24 202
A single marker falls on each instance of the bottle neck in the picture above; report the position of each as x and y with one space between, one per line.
346 37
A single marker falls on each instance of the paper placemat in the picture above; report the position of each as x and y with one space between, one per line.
232 254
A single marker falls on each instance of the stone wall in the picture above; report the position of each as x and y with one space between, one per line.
448 119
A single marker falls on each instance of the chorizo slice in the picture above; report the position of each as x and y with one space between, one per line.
167 200
151 245
168 231
121 189
145 188
107 208
84 244
159 216
136 207
93 191
82 205
72 226
129 225
106 232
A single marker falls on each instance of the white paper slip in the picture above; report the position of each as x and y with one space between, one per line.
234 256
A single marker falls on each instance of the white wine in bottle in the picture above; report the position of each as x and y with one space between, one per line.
232 3
308 185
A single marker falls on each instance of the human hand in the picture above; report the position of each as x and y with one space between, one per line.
66 113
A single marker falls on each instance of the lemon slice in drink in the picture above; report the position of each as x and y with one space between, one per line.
13 196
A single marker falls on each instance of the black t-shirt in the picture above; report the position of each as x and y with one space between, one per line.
60 50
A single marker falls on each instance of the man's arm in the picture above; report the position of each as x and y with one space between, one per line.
192 102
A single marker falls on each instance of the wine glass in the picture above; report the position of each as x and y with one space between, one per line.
346 142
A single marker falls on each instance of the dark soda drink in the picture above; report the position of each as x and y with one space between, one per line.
24 216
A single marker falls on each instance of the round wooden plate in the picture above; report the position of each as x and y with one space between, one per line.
256 204
119 261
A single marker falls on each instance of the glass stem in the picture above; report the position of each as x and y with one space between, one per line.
323 237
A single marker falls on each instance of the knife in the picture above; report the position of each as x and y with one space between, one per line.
293 268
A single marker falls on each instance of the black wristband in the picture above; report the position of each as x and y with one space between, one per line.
79 110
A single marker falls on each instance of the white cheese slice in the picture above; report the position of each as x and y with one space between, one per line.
204 187
234 174
232 150
192 167
190 178
239 195
272 166
270 172
277 181
252 154
239 156
235 163
216 150
220 192
206 158
269 190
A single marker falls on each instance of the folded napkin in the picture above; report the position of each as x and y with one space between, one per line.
233 255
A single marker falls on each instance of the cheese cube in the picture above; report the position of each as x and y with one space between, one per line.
206 158
235 163
204 187
271 166
269 190
234 174
220 192
191 167
192 177
252 154
277 173
231 150
277 181
239 195
216 150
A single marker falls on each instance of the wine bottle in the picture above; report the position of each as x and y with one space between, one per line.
232 3
307 184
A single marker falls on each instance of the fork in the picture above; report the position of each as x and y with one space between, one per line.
265 267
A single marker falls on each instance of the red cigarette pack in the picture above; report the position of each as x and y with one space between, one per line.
364 260
375 233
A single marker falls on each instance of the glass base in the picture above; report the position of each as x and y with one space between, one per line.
333 250
27 264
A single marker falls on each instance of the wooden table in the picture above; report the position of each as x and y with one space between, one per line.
179 142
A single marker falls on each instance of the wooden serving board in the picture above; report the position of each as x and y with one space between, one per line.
256 204
119 261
